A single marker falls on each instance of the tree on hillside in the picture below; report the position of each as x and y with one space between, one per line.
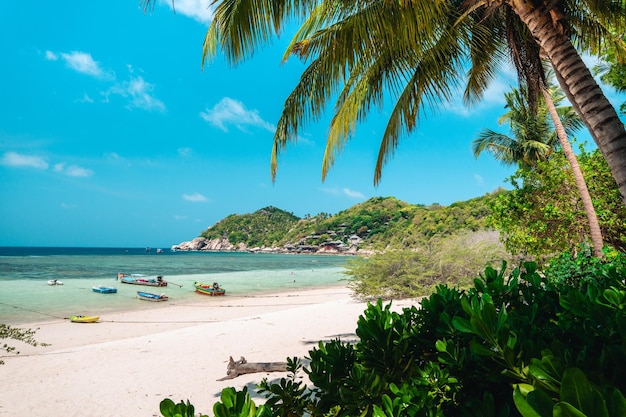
359 51
543 215
535 139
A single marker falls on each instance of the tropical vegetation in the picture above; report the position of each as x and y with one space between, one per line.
18 334
541 339
543 216
265 227
535 140
414 54
525 342
378 224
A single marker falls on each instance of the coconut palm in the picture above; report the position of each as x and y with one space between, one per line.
359 51
534 139
592 218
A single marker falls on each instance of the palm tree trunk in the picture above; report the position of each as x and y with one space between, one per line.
580 87
590 211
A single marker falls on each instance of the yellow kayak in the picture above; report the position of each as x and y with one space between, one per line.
84 319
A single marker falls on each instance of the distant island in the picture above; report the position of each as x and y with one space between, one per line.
378 224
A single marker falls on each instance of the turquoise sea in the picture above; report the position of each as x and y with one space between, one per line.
26 297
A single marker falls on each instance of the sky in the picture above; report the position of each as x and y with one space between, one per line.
112 134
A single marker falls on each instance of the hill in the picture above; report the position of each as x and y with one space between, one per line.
377 224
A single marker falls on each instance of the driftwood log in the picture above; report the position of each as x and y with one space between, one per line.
240 367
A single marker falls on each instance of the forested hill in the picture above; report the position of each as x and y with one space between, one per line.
376 224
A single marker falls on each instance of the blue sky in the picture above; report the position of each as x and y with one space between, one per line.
111 134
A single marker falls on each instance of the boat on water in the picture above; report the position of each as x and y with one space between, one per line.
55 282
151 297
207 289
140 279
84 319
104 290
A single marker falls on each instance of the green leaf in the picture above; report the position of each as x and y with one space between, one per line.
479 349
563 409
577 391
616 403
541 401
522 405
167 407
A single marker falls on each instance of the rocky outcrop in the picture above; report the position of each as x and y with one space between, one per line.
204 244
223 245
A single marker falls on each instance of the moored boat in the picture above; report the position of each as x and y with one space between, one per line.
206 289
84 319
55 282
151 297
104 290
140 279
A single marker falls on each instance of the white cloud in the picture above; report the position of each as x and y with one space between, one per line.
14 159
51 56
72 170
344 191
86 99
76 171
68 206
352 193
140 94
233 112
196 197
184 152
198 10
479 179
178 217
83 62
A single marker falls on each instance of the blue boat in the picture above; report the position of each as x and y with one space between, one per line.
104 290
147 296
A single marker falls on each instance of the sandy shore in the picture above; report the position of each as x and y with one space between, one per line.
128 362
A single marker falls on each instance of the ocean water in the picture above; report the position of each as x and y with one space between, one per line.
24 272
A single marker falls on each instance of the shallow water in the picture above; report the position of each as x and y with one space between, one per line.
26 297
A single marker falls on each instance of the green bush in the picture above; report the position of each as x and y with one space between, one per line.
453 260
23 335
516 343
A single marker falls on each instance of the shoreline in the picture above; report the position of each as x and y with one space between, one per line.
130 361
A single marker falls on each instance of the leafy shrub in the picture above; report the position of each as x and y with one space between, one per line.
453 260
23 335
515 343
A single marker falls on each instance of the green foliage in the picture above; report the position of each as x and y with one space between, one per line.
452 260
613 72
286 398
235 403
19 334
232 403
520 342
264 227
543 214
182 409
380 223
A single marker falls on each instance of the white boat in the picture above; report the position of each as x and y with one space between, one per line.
55 282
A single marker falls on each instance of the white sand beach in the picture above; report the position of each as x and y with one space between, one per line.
128 362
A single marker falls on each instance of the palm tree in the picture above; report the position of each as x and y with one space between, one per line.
592 218
534 140
359 50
